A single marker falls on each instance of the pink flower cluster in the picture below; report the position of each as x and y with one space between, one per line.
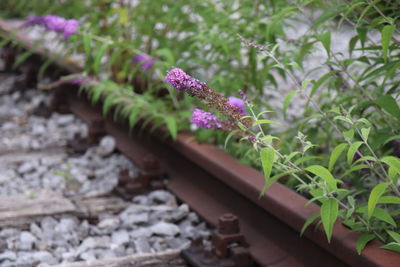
183 82
145 61
54 23
205 119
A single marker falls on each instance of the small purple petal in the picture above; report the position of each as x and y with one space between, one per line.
54 23
146 62
71 27
239 103
205 119
33 20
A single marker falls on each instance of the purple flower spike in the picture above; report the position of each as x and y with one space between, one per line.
205 119
239 103
147 62
54 23
183 82
71 27
33 20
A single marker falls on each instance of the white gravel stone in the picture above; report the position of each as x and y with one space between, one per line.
120 237
106 146
165 229
8 255
162 196
27 240
142 245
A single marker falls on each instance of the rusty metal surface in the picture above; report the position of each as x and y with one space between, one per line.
213 183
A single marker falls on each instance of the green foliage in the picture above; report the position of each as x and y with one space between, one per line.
363 240
352 99
329 212
267 156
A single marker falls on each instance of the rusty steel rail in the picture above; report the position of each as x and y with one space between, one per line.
213 183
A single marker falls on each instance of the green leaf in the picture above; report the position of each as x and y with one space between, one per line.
87 44
134 115
329 212
354 168
389 200
267 161
259 122
321 80
392 246
365 133
394 235
374 196
287 100
352 151
167 54
386 34
363 240
392 162
389 104
325 39
349 134
99 55
171 125
324 174
232 133
108 102
337 151
383 215
309 221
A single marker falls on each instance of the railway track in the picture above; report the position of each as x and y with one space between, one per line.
250 230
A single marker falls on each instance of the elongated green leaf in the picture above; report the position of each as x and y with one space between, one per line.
287 100
324 174
389 104
99 55
329 212
383 215
355 168
337 151
309 221
352 151
133 117
365 133
386 34
325 39
259 122
394 235
389 200
171 124
232 133
392 162
374 196
321 80
363 240
87 44
274 179
267 161
108 102
392 246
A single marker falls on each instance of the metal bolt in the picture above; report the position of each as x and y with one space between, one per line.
228 224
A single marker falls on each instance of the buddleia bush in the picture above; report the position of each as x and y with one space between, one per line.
340 147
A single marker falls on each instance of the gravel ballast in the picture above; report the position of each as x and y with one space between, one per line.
36 157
